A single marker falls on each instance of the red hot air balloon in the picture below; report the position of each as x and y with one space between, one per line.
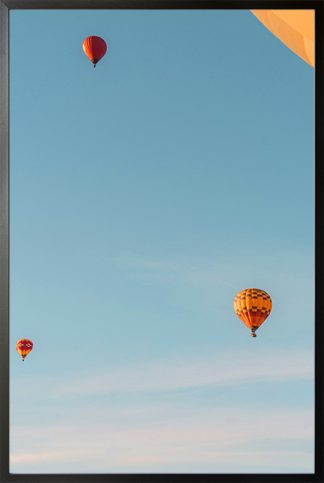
23 347
94 48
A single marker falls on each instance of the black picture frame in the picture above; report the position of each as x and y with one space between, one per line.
5 7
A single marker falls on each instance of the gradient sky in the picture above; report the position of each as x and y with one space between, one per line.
145 194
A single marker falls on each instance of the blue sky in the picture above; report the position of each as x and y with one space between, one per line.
145 194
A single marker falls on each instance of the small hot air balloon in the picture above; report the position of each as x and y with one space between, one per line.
23 347
252 306
94 48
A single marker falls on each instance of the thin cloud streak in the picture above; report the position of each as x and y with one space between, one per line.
166 375
214 438
203 271
174 375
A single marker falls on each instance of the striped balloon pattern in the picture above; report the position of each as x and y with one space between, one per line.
253 306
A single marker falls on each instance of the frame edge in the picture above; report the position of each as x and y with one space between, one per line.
4 241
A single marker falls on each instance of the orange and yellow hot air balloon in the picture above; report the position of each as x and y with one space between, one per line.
252 306
23 347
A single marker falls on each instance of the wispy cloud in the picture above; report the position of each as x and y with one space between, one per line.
175 374
221 440
207 269
158 435
170 375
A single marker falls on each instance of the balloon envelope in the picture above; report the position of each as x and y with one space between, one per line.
252 306
95 48
295 28
23 347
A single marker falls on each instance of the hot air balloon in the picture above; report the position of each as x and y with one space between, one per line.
23 347
295 28
94 48
252 306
